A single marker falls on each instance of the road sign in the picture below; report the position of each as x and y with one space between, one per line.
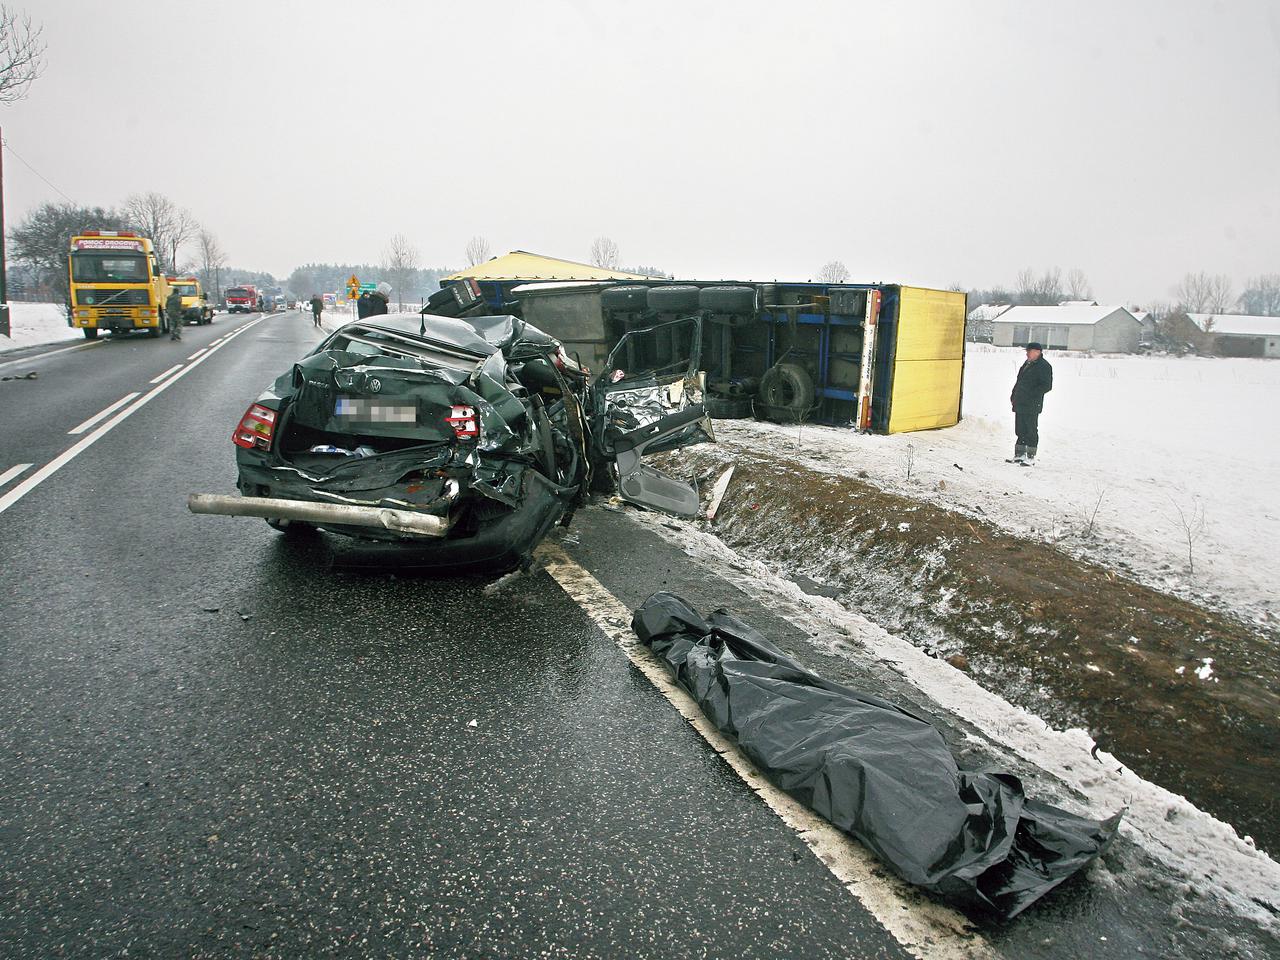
368 287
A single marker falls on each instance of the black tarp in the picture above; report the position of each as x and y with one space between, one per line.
877 771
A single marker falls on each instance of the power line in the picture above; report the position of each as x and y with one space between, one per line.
36 172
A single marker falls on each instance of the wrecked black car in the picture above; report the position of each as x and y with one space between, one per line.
470 436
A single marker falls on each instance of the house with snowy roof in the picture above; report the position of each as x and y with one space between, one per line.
1076 326
1240 335
977 325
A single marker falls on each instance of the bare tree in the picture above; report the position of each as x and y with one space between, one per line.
21 53
1191 525
1089 513
1078 285
1204 293
1044 290
212 260
1261 296
400 261
164 222
833 271
604 253
477 251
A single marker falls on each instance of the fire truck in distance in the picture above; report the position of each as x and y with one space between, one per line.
243 299
116 283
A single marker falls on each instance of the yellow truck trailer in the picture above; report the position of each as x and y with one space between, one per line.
116 283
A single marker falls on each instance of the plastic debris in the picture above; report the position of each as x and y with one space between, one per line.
879 772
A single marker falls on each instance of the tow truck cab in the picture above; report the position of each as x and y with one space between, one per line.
116 283
195 305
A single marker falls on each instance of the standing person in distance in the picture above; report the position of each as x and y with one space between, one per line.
1035 379
317 305
173 313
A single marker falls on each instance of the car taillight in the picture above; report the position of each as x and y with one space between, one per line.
464 422
255 429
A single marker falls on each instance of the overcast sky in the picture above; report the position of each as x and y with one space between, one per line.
927 143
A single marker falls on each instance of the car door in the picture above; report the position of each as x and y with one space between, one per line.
649 399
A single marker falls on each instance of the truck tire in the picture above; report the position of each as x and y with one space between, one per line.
157 329
90 333
728 408
679 298
625 298
738 300
786 393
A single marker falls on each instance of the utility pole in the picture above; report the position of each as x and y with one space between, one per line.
4 285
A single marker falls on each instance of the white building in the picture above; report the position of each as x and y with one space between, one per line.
1078 326
1240 335
977 326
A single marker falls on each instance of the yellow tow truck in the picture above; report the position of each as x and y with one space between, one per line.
195 305
116 283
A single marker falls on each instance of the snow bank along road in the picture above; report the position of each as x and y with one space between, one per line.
213 742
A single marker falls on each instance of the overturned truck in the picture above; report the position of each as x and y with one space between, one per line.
885 358
470 437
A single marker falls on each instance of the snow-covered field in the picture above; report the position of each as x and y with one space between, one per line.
32 324
1137 438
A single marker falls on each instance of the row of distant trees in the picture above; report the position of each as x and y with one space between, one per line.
1196 293
38 244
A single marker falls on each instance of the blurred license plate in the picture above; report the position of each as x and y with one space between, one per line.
374 411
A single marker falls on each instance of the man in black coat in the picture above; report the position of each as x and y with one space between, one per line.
1035 379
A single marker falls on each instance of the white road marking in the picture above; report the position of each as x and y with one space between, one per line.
175 367
101 415
62 459
197 353
925 928
50 353
14 471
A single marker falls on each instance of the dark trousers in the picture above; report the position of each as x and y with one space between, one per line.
315 317
1026 424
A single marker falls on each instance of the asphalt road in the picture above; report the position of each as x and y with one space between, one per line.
215 743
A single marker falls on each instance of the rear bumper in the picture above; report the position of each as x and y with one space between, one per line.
497 543
402 522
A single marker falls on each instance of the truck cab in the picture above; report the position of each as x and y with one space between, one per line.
195 305
243 299
116 283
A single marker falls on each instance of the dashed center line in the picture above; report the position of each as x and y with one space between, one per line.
197 353
13 472
62 459
176 367
101 415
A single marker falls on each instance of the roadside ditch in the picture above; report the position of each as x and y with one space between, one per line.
1187 697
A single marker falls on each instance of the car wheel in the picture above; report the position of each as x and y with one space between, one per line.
786 393
625 298
737 300
91 333
678 298
728 408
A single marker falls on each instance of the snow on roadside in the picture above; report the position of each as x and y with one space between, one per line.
1209 854
33 324
1145 436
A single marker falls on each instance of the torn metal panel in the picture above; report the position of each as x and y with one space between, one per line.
878 771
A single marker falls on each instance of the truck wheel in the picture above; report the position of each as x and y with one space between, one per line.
158 329
678 298
91 333
738 300
786 393
625 298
